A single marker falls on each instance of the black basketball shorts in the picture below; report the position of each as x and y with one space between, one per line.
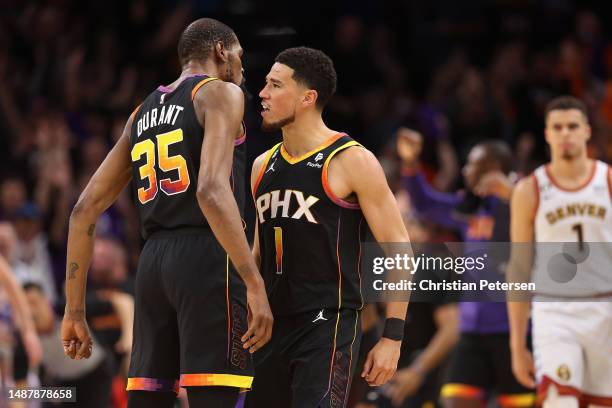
190 313
309 362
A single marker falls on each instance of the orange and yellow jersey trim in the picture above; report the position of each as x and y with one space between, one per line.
225 380
526 400
152 384
263 167
324 178
200 84
292 160
461 391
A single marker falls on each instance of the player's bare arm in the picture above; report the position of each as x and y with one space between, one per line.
522 208
102 190
23 314
220 107
356 173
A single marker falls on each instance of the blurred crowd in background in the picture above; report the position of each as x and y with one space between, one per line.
71 72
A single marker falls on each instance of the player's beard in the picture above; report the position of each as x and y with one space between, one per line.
274 126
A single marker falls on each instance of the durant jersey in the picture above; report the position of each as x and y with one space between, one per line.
583 218
166 143
310 240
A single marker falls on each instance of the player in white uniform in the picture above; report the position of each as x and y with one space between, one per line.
565 201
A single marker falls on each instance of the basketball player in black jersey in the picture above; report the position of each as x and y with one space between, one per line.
191 304
315 194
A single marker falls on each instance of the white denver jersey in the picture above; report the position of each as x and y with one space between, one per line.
580 217
572 309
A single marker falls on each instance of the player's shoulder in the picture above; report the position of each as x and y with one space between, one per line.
526 186
352 153
526 194
259 160
219 91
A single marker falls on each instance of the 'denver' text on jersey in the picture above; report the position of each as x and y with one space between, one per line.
310 240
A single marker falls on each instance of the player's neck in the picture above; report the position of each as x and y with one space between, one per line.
198 68
305 134
576 170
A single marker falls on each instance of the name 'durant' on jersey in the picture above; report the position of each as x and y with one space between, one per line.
269 204
156 117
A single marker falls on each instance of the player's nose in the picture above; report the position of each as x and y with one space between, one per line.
263 94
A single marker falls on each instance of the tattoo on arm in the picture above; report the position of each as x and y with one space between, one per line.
72 270
91 229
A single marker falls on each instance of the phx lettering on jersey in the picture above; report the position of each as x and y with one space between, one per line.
155 117
271 202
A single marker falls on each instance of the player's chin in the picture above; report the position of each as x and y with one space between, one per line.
269 126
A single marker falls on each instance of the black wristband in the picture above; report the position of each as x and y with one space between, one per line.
394 329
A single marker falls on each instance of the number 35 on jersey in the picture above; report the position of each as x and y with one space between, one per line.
167 163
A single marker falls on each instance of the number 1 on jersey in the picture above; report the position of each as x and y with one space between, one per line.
278 242
578 229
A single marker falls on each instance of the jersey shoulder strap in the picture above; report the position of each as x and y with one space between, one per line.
324 176
200 84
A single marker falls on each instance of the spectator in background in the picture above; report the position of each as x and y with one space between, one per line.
481 362
14 312
31 250
431 329
13 195
111 282
431 332
472 112
440 163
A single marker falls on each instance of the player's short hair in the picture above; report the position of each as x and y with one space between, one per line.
566 102
199 38
500 153
312 68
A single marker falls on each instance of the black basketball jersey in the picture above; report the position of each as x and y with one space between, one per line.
166 143
310 240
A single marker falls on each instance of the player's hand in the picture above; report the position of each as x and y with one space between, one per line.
31 343
404 383
494 183
409 146
260 318
381 362
76 339
523 368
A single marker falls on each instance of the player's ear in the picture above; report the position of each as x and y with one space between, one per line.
589 131
546 136
221 51
310 98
